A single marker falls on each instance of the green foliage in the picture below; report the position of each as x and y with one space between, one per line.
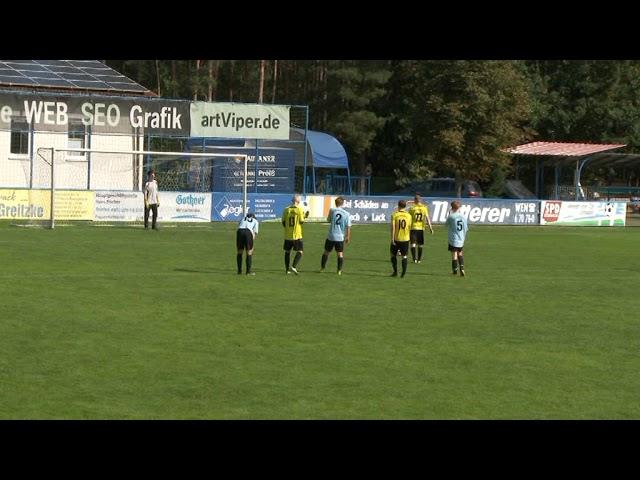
462 113
417 118
498 182
588 101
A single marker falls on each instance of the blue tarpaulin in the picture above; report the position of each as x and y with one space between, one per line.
326 151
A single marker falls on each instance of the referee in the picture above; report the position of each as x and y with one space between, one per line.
247 231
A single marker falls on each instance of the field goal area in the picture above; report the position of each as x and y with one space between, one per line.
62 176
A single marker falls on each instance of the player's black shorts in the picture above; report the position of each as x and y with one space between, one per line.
417 236
295 244
399 247
454 249
244 239
331 244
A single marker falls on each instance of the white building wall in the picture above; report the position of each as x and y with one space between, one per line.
15 171
108 171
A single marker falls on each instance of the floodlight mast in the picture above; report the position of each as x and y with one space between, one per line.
54 150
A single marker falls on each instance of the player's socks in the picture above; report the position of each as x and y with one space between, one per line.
239 262
419 253
324 261
249 258
340 263
287 260
461 262
454 266
404 265
394 263
296 259
413 253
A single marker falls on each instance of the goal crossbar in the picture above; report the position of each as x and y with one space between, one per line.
146 152
53 151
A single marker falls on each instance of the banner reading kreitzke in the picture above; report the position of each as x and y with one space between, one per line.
236 120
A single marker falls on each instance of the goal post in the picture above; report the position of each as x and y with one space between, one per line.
90 169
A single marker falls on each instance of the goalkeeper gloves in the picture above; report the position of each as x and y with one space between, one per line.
306 214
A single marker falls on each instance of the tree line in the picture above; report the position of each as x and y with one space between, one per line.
412 119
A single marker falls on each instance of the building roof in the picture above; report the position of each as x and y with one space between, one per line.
71 76
562 148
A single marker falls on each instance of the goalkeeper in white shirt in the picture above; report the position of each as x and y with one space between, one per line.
151 200
247 231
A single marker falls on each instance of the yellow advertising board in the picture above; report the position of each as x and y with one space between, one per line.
74 205
25 204
36 204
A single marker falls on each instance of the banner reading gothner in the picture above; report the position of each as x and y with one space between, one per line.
236 120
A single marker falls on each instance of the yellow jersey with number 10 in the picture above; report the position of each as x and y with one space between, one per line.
402 223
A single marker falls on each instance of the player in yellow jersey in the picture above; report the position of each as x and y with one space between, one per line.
419 213
292 219
400 228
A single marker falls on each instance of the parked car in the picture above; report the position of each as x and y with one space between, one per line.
442 187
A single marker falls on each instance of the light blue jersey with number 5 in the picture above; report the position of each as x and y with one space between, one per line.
458 227
339 219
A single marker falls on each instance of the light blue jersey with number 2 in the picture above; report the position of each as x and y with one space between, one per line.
458 227
339 219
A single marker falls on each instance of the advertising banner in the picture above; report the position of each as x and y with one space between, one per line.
174 206
228 206
119 206
25 204
74 205
36 204
184 207
379 209
103 114
557 212
275 172
238 120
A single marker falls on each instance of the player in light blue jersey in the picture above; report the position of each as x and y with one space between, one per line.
247 231
339 234
457 226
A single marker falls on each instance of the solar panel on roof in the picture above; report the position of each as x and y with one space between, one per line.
90 84
45 75
26 66
64 69
75 76
86 63
128 86
51 63
16 80
68 74
53 82
95 71
111 78
10 73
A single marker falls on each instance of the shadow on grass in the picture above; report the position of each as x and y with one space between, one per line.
328 273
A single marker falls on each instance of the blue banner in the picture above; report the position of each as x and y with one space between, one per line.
274 172
227 207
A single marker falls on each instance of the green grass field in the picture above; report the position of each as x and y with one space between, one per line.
120 323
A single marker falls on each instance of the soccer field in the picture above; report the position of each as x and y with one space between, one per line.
121 323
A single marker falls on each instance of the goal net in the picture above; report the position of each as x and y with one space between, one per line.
91 184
